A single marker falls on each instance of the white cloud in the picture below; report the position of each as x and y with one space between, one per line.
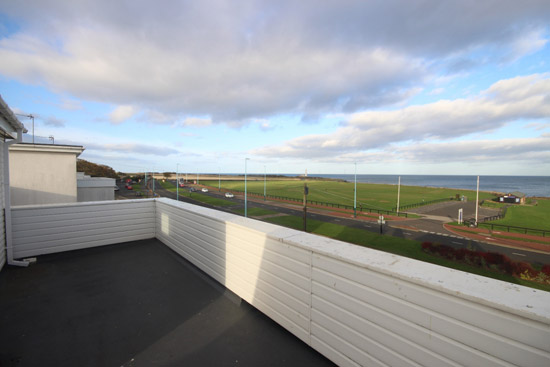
258 59
525 97
131 148
54 121
121 114
197 122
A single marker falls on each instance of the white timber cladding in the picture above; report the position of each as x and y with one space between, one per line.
357 306
44 229
3 206
361 307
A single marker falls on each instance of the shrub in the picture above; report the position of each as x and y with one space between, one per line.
490 260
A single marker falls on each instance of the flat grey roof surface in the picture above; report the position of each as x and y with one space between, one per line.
134 304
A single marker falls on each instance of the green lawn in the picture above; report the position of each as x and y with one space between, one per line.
376 196
255 212
168 186
530 216
394 245
209 199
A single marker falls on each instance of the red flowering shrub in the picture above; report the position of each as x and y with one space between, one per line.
490 260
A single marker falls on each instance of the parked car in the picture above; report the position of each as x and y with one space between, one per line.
229 195
182 185
192 189
129 187
204 189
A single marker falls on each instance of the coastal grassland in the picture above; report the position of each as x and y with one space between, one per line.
375 196
209 199
399 246
254 212
167 185
529 216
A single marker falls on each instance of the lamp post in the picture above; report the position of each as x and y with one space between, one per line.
245 195
477 198
177 182
197 178
398 193
265 180
355 194
219 179
153 175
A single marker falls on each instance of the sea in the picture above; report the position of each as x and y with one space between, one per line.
538 186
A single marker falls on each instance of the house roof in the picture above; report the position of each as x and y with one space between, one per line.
134 304
9 124
48 148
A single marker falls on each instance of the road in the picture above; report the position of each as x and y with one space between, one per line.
425 229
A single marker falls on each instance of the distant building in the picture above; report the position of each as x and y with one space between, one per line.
43 173
515 197
94 188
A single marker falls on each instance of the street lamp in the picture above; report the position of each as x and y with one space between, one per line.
355 194
265 180
219 179
177 182
245 198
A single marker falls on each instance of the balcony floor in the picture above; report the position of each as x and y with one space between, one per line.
134 304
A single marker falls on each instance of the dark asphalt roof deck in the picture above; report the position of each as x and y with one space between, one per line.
134 304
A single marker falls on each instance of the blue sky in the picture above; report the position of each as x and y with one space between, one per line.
400 87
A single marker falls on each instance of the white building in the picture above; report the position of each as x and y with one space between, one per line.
94 188
11 131
43 173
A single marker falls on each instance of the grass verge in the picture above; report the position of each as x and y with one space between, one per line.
210 200
254 212
399 246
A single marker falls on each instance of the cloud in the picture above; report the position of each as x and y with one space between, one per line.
197 122
70 104
495 151
54 121
131 148
121 114
526 97
258 59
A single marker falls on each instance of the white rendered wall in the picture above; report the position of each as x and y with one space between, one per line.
46 229
38 177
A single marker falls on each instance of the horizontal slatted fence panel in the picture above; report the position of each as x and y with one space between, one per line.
47 229
270 275
421 324
366 308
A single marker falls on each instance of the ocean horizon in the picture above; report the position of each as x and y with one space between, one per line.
529 185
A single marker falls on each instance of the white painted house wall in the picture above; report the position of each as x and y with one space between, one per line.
3 206
43 174
357 306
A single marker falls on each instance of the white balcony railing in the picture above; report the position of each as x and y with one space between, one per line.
356 306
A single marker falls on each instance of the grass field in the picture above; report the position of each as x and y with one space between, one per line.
530 216
394 245
209 199
254 212
375 196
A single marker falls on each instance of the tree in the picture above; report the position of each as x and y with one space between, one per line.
95 170
167 175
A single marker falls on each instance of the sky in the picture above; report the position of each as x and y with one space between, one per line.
383 87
